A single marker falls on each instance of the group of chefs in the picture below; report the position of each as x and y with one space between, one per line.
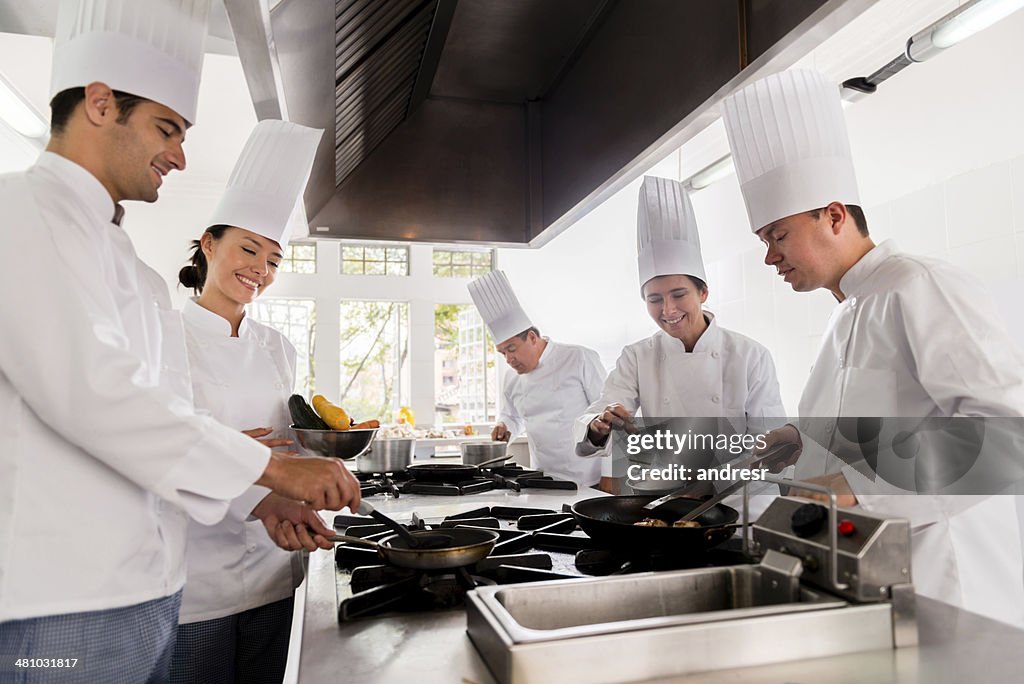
911 338
130 431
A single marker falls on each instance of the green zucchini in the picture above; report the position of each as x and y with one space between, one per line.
303 415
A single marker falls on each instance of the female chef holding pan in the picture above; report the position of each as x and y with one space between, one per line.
236 608
690 368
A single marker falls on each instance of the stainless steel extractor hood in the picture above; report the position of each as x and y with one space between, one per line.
501 121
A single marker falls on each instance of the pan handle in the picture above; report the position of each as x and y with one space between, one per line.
354 541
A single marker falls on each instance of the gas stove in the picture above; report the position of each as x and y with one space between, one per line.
534 545
514 477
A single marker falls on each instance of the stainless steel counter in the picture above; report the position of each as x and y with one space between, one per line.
955 646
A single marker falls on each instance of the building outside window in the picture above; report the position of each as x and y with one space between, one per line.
299 258
296 320
375 368
465 373
375 259
462 263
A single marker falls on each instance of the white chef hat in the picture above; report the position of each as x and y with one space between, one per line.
789 145
667 242
499 306
264 192
148 48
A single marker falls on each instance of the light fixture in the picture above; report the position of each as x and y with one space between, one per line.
959 24
962 22
19 113
712 173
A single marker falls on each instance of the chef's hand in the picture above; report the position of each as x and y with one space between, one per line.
610 485
259 433
836 482
324 483
614 417
500 433
787 434
292 525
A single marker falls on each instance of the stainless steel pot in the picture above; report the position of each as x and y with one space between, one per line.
475 453
386 456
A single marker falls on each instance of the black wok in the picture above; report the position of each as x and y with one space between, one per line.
465 546
608 520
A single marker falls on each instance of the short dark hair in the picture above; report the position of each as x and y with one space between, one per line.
856 212
526 333
701 286
193 275
63 105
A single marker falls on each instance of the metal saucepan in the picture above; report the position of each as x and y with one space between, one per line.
449 472
386 456
608 520
465 546
474 453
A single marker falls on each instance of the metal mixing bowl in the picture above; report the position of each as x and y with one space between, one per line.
344 444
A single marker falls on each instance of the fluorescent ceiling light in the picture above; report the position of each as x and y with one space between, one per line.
18 113
959 24
711 173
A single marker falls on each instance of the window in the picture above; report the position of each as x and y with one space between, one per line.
374 359
465 381
375 260
296 320
462 263
299 258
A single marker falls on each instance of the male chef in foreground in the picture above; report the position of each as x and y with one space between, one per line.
551 385
911 338
101 454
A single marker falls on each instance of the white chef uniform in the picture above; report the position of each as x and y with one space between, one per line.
100 449
913 338
245 381
727 375
545 401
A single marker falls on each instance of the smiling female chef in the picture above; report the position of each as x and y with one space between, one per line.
690 368
237 605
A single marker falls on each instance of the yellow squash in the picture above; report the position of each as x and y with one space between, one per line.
334 416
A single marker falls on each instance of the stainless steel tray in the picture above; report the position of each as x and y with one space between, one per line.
642 626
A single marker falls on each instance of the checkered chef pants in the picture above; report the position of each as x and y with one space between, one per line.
131 645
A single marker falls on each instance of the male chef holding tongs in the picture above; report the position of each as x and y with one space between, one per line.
912 340
102 458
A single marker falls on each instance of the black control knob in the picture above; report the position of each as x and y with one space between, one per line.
808 520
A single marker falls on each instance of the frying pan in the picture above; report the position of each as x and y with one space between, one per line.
449 472
466 546
608 520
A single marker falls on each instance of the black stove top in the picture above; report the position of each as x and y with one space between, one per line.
512 477
534 545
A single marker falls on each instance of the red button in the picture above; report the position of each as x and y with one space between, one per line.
847 528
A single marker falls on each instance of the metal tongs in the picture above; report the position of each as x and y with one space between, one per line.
778 455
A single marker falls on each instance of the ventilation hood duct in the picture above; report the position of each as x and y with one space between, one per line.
497 121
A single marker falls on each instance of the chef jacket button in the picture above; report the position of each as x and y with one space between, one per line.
279 385
853 302
663 357
716 399
251 549
714 355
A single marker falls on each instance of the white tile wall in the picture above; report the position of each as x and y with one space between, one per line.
979 205
990 261
918 221
1017 192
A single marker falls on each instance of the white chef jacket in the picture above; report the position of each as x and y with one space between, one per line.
100 449
917 337
545 402
244 382
726 375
